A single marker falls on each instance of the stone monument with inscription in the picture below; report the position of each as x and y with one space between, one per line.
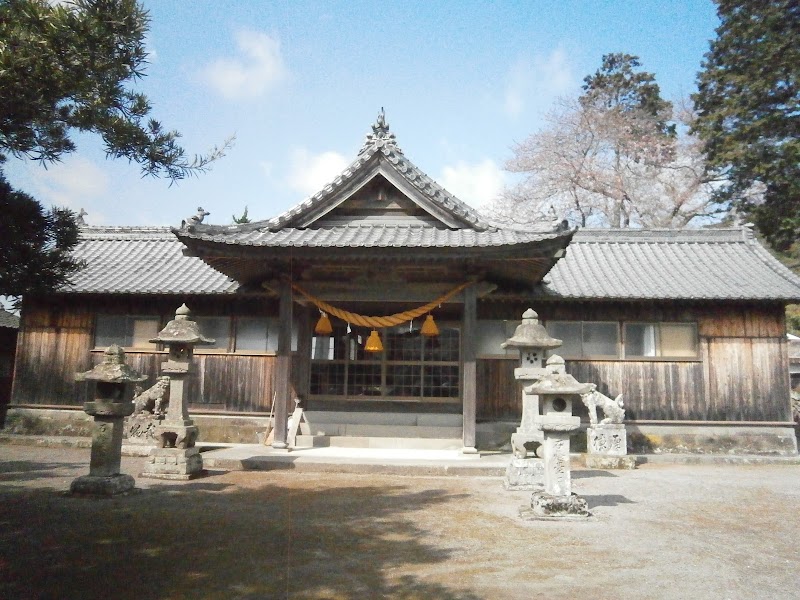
176 456
111 385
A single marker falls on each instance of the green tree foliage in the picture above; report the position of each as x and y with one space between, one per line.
620 87
748 103
67 67
34 244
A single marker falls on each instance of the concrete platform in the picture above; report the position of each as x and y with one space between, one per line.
357 460
392 461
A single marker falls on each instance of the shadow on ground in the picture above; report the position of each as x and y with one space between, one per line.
606 500
26 470
211 539
586 474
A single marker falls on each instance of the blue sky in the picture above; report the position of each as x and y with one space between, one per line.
299 84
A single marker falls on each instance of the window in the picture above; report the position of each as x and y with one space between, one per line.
586 339
256 334
217 329
490 336
411 367
664 340
126 331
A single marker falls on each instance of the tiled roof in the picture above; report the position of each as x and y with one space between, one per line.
372 236
8 320
380 148
142 260
706 264
702 264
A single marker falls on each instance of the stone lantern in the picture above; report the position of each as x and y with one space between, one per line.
558 391
111 385
175 456
532 341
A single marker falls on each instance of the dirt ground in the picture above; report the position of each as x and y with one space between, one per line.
660 531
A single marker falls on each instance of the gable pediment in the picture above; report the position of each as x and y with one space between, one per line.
379 192
381 185
377 200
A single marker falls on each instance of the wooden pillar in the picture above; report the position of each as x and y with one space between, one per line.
469 371
283 370
301 361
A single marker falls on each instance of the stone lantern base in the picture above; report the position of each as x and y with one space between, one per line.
174 463
94 485
547 507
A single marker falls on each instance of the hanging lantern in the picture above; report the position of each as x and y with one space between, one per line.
429 328
373 342
323 326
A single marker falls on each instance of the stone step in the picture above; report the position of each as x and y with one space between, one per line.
376 430
404 443
384 418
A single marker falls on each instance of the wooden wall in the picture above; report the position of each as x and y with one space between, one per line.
742 372
740 375
56 342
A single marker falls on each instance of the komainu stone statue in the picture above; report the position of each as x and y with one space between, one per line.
613 410
153 400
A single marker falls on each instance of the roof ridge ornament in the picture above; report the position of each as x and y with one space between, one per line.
380 137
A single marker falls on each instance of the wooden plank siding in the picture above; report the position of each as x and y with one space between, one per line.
499 394
53 344
740 375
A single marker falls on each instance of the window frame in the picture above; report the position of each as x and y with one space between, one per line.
659 357
233 330
352 360
130 319
583 356
622 354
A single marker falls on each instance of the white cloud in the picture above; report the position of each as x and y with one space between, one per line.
74 183
539 80
257 68
309 173
475 184
266 168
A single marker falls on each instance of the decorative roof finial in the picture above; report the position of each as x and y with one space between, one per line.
381 126
79 220
195 219
381 136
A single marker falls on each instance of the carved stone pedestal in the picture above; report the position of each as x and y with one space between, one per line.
607 444
599 461
609 439
174 463
524 474
141 429
547 507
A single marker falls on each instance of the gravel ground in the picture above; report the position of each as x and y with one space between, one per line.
661 531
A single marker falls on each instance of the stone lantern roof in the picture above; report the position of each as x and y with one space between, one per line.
557 380
181 330
531 334
113 369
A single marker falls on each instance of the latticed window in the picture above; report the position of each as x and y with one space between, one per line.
411 368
